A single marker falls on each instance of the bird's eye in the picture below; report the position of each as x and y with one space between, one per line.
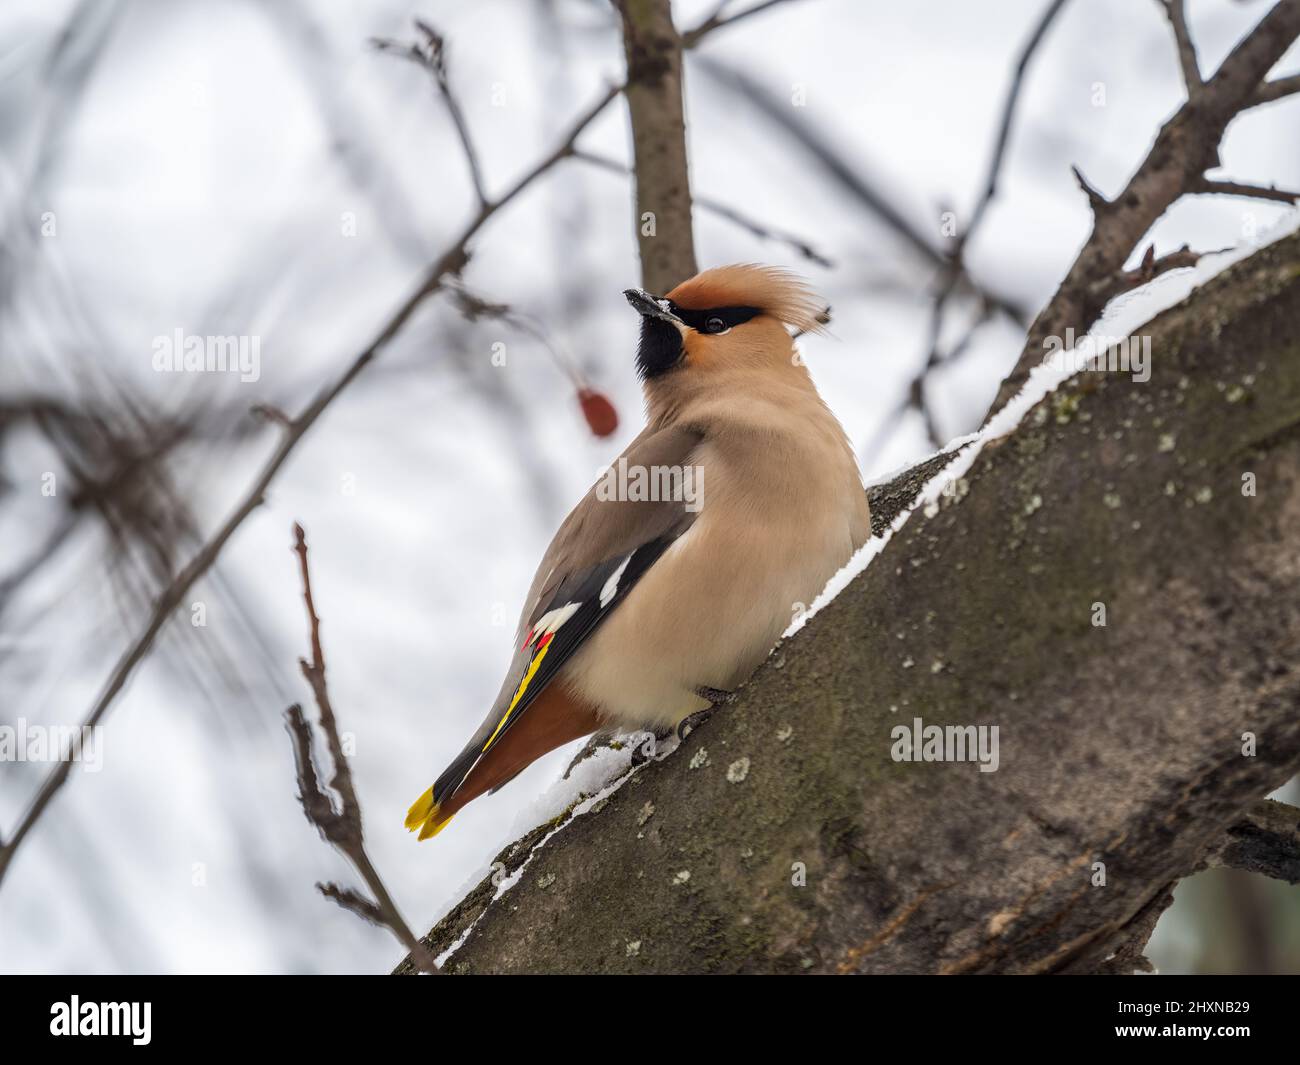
715 325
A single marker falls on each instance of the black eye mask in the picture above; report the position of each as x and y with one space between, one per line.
707 321
661 343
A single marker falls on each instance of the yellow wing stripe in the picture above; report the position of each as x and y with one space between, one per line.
425 814
523 686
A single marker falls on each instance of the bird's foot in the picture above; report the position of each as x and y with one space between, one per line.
717 697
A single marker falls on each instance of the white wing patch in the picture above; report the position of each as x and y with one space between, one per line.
551 621
610 589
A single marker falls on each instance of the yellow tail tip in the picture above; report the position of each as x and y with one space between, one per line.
421 810
433 826
424 815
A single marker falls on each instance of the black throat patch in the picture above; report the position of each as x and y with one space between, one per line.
660 350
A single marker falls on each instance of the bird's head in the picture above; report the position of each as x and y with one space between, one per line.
731 317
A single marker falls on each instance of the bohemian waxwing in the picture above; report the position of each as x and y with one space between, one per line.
678 571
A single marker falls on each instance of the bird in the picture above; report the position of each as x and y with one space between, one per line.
679 570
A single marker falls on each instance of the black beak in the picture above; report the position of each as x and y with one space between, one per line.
649 306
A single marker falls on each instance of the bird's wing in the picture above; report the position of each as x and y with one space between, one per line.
599 552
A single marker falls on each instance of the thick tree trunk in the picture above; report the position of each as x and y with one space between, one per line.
783 837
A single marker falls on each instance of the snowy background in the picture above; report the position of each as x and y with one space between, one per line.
202 163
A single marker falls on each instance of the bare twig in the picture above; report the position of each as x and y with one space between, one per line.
1147 270
850 178
1276 89
431 55
691 37
339 824
1096 200
1236 188
1008 115
954 268
1185 148
1177 14
723 210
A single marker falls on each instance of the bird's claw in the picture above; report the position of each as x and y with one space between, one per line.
717 697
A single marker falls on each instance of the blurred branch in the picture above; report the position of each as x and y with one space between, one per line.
954 268
1184 149
848 176
339 825
759 229
717 19
431 55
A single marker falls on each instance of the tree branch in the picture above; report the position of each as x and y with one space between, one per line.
654 103
1266 840
1236 188
953 270
723 210
430 54
339 825
1277 89
1185 148
1177 14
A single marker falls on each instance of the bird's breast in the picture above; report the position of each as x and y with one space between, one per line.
768 537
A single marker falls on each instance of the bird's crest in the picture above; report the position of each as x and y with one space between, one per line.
774 291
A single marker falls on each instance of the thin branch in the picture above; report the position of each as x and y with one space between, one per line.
1147 270
1236 188
1096 200
339 824
1276 89
1008 115
850 178
353 903
431 55
759 229
1176 12
692 37
955 267
314 673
